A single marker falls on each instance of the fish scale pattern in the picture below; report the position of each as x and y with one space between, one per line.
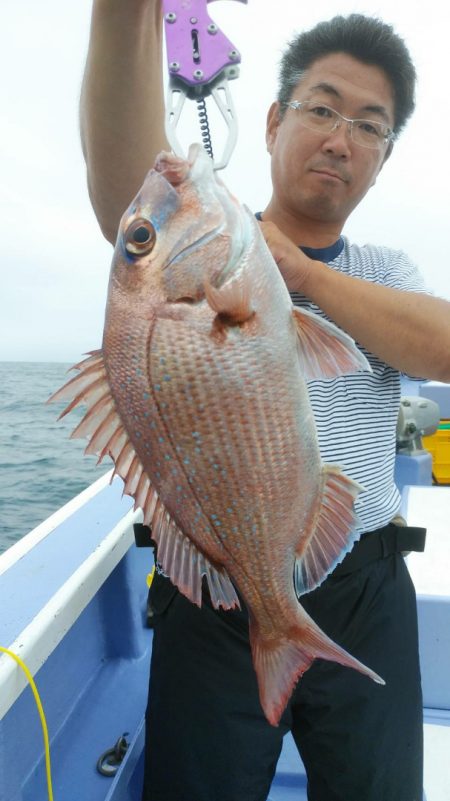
237 439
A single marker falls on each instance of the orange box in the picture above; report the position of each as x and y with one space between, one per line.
439 447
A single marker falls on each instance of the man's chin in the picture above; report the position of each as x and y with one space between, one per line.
325 209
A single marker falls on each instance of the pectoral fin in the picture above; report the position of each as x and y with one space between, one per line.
333 530
232 300
324 351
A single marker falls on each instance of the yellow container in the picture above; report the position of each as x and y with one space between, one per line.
439 447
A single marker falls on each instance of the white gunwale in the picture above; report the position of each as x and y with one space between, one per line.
41 636
36 535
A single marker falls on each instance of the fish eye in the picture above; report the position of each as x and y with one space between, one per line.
140 237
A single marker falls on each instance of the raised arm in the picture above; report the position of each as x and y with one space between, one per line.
122 104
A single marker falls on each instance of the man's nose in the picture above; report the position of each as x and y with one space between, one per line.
338 140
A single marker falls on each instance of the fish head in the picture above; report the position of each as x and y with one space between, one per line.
184 229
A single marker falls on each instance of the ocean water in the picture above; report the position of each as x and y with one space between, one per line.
40 467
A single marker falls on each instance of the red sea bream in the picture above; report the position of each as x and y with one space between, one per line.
199 396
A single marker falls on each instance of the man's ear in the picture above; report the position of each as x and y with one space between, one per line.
272 124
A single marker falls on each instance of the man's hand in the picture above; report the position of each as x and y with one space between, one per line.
408 330
293 264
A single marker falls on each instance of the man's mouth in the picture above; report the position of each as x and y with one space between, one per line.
330 174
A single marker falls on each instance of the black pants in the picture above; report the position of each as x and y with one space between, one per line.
207 737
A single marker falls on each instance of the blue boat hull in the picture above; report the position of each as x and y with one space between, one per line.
76 613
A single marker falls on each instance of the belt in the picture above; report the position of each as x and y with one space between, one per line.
379 544
374 545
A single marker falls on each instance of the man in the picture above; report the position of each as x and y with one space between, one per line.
346 90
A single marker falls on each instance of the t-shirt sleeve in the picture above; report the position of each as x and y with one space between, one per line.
402 273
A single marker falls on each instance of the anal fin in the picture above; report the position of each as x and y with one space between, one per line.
185 565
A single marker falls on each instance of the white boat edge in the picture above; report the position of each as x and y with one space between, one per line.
38 640
23 546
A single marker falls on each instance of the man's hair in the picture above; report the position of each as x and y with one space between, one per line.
365 38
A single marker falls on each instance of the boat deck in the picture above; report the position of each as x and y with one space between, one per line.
73 596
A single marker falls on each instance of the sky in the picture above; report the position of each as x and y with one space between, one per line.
55 263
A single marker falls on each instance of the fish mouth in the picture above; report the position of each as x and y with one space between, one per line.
194 246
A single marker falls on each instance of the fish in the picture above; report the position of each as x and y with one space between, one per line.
199 396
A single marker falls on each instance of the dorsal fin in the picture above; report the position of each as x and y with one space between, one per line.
101 424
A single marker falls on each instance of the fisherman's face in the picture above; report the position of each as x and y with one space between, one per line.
324 176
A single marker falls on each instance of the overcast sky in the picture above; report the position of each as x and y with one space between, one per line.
55 263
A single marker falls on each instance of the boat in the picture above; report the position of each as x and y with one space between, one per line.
73 601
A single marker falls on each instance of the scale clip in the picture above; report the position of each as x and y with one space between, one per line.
201 62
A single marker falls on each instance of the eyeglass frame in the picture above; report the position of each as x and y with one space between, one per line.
387 139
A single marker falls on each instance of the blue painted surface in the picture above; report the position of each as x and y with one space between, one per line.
289 783
127 785
29 584
415 470
440 393
93 688
434 628
411 386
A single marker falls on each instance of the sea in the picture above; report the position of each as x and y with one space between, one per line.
41 468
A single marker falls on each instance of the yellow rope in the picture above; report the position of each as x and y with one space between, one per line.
41 715
150 576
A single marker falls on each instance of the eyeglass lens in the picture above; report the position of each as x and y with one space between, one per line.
324 119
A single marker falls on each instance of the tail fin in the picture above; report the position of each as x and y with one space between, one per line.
279 664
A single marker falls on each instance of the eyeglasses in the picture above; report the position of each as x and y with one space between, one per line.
325 120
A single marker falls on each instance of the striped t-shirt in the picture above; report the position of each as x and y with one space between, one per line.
356 415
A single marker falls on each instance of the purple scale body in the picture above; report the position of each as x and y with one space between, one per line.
195 44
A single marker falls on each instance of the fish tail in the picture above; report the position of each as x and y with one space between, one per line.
280 663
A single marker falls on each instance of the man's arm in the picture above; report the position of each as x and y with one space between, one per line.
408 330
122 104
